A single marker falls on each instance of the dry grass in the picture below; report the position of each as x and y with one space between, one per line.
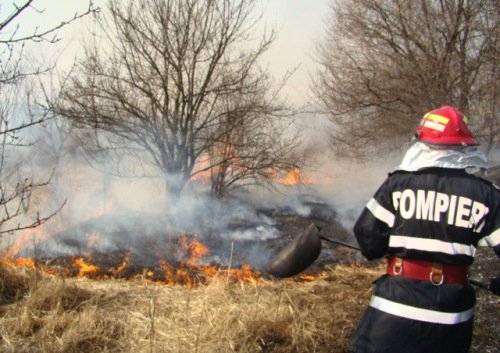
43 313
48 314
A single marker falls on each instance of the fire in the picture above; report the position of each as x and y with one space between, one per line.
246 274
295 176
18 262
189 276
176 275
292 178
188 270
122 266
30 237
191 272
185 265
83 267
25 262
203 177
312 276
203 173
195 249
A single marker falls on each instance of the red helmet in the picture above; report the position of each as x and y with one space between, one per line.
445 126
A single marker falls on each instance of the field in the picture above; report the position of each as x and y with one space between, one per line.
47 313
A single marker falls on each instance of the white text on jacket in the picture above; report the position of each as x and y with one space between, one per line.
440 207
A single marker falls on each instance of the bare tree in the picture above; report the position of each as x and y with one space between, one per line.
247 147
17 115
161 78
383 64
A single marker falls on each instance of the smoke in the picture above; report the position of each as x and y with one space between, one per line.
106 213
354 186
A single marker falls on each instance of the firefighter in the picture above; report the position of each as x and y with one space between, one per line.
428 218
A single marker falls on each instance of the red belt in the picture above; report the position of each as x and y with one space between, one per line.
433 272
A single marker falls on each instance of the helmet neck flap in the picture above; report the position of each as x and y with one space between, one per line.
421 155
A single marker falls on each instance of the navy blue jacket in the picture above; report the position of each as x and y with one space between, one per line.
435 214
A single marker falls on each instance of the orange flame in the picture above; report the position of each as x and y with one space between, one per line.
295 176
203 172
18 262
176 275
83 267
195 249
312 276
292 178
246 274
189 272
122 266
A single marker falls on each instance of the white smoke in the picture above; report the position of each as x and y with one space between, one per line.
105 212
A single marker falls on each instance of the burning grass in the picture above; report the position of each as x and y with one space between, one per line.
47 313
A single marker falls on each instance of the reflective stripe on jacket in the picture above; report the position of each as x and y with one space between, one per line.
434 214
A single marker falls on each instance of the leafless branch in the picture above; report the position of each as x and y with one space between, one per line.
383 64
17 115
165 80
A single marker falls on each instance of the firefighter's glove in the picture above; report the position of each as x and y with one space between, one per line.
495 285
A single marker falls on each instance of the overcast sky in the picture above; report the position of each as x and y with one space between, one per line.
299 24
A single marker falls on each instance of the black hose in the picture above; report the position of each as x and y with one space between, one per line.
339 242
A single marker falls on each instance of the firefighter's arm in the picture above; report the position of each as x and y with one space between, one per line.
372 235
372 228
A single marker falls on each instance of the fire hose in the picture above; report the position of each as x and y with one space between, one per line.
301 253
